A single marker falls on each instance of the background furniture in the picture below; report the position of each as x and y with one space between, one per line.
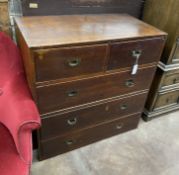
56 7
82 71
164 94
4 17
19 115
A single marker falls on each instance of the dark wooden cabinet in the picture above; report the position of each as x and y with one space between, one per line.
163 96
61 7
79 70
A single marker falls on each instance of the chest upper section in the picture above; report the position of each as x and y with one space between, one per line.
73 46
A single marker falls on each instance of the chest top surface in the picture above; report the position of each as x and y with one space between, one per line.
51 31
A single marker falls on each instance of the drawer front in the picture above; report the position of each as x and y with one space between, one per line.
69 142
167 99
126 54
71 61
58 96
170 79
72 121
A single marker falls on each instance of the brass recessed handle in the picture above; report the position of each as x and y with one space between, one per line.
119 126
70 142
72 93
130 83
124 107
74 62
72 121
136 53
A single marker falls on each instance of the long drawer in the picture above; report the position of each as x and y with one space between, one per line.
52 147
57 96
56 63
126 54
83 118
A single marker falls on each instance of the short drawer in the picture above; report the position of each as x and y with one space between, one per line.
166 80
80 119
58 145
67 62
167 99
55 97
126 54
170 80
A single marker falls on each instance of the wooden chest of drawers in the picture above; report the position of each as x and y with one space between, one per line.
80 72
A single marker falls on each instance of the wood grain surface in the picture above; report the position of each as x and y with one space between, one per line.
48 31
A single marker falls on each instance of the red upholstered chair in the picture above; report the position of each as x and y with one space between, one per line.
18 113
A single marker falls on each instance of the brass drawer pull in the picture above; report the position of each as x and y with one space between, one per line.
72 93
70 142
119 126
124 107
72 121
74 62
130 83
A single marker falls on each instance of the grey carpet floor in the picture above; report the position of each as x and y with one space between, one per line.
152 149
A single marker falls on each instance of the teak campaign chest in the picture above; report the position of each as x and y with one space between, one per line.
89 75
